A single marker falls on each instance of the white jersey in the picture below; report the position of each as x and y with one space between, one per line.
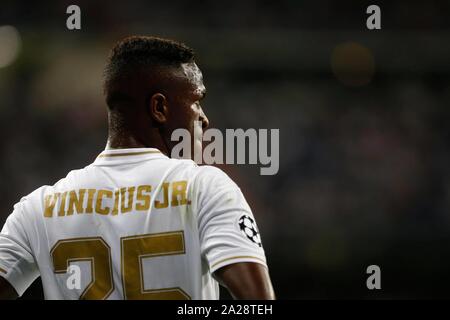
132 225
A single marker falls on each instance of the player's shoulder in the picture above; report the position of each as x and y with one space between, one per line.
66 182
202 175
207 171
206 176
37 196
29 204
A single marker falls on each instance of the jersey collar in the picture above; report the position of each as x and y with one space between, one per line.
117 156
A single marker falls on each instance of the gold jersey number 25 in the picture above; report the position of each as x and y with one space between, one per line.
133 250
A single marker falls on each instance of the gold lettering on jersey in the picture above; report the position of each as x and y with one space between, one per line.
62 206
76 201
117 201
179 191
145 198
115 210
49 204
129 207
165 203
90 201
98 205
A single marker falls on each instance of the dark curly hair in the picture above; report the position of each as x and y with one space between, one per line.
135 52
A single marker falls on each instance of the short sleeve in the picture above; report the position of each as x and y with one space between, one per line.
17 264
227 227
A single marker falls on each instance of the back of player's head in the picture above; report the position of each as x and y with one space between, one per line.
137 53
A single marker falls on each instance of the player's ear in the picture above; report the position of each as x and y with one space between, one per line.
158 108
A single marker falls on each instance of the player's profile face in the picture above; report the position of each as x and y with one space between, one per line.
191 95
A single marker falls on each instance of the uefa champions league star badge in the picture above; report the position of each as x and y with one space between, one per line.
249 229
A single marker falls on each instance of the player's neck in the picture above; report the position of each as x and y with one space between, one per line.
130 142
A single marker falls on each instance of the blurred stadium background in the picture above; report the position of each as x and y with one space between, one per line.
364 153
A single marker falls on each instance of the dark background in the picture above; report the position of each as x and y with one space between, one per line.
364 141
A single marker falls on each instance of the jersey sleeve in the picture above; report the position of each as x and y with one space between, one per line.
227 227
17 264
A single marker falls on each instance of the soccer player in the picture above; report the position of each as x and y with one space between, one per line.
136 224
